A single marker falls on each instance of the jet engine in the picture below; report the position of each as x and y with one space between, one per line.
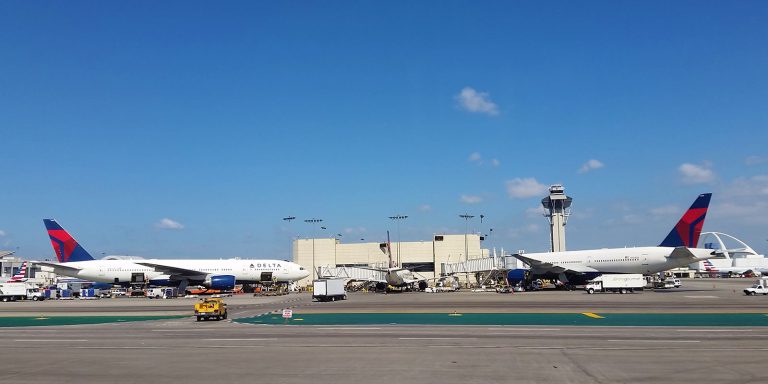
162 281
220 282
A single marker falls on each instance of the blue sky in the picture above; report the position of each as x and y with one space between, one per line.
190 129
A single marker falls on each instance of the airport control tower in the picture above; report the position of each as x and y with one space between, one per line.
558 207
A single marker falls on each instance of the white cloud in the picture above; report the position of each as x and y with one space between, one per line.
523 231
2 233
591 165
518 188
631 219
755 160
425 208
469 199
666 210
355 231
476 102
534 212
696 174
747 187
167 223
476 158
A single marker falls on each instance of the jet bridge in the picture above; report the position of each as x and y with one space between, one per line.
487 269
351 273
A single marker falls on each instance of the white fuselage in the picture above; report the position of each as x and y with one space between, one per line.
739 265
121 271
399 277
645 260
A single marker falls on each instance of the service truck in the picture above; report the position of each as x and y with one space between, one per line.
621 283
760 287
19 291
162 293
329 290
211 308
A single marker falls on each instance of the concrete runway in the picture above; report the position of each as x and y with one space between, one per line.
185 350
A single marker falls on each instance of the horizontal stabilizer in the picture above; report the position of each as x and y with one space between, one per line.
66 270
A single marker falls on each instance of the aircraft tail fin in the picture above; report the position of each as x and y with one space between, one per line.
21 275
687 231
64 245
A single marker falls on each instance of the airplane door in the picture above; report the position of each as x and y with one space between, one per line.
266 277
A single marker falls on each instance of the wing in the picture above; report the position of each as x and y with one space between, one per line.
175 272
62 269
539 266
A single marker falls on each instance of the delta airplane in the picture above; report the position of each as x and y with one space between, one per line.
677 250
75 261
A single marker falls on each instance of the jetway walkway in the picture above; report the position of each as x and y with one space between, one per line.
486 264
351 273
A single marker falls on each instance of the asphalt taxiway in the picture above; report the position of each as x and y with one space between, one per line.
185 350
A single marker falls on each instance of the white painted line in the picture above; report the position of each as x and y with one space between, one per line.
653 341
123 347
349 329
51 340
512 328
239 339
702 297
437 338
559 334
714 330
188 330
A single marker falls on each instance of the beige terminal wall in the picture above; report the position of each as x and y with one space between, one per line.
313 253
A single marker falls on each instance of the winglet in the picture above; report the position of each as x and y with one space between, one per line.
687 231
64 245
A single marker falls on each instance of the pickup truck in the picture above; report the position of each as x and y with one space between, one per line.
760 286
756 289
211 309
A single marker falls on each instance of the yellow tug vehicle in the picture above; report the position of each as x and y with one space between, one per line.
211 308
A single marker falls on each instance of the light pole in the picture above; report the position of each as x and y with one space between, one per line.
313 221
466 218
289 219
397 219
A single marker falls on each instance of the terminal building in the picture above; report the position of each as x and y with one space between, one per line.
425 258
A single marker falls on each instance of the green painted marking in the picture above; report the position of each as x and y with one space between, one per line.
6 322
545 319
